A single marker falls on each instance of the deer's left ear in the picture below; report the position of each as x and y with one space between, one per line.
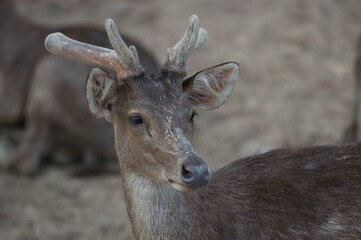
210 88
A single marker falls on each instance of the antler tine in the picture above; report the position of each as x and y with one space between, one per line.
123 60
59 44
127 56
201 39
193 39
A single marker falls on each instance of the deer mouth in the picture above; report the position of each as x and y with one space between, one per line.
180 187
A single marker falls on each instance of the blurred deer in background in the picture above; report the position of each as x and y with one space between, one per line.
352 131
307 193
44 92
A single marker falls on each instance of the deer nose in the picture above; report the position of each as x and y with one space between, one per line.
195 172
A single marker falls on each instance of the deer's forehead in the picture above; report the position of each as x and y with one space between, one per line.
161 95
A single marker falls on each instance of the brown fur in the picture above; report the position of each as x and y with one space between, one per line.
308 193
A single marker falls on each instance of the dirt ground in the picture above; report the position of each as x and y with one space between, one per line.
295 89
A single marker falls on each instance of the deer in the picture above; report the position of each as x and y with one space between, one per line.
352 130
297 193
37 95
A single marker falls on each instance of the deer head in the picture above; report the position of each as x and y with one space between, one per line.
152 115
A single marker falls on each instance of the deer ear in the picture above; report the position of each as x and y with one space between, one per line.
213 86
101 93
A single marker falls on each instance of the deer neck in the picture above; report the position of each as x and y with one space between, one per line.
156 210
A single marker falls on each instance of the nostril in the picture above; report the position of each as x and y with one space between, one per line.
187 172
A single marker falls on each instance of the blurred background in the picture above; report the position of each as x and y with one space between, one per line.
296 88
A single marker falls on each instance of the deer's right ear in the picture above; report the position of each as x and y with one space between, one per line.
101 93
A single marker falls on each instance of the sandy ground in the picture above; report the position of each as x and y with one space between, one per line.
295 89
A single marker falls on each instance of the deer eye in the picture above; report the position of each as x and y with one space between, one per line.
135 120
193 115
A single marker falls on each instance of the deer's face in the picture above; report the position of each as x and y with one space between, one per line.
157 129
153 120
